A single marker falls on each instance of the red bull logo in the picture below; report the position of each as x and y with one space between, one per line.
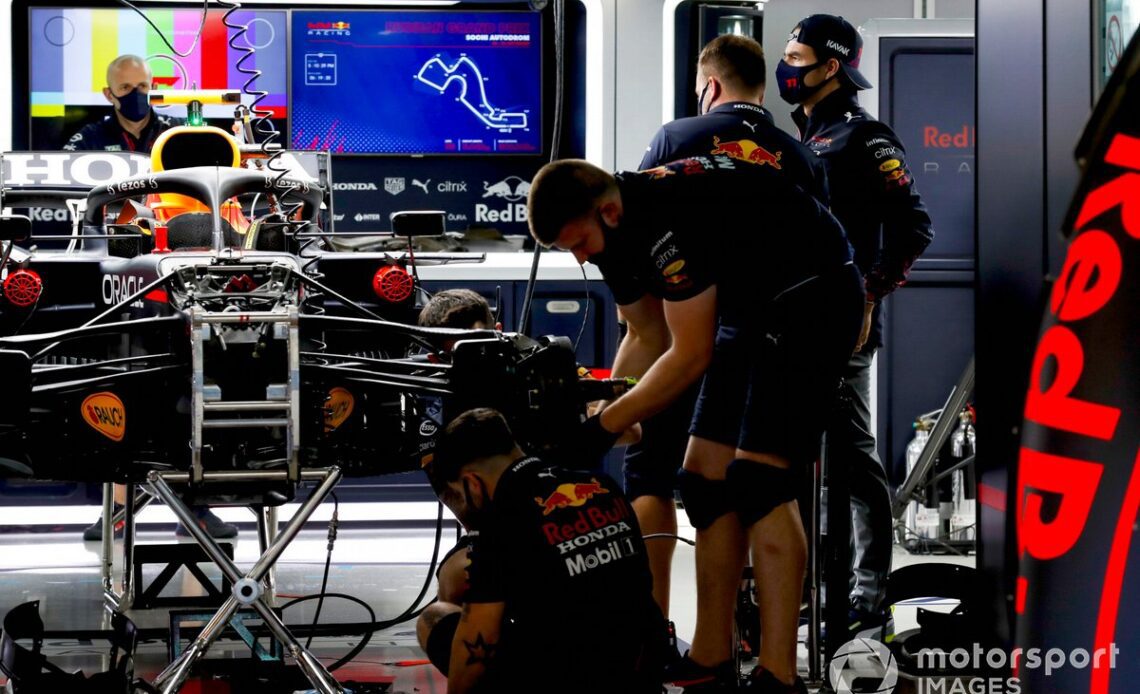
747 150
570 495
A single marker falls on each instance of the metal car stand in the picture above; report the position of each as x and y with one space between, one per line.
118 601
248 588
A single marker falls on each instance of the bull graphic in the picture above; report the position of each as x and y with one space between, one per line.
510 188
570 494
747 150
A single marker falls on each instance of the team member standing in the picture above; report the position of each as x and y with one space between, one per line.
558 596
873 195
134 126
730 90
681 247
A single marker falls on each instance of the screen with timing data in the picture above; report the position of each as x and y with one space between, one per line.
426 82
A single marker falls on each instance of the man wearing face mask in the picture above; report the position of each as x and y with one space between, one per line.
134 126
731 75
751 279
558 593
873 195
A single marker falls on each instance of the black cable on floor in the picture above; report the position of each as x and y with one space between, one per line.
367 635
328 563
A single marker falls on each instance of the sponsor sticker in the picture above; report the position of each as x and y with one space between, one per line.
890 165
338 408
104 412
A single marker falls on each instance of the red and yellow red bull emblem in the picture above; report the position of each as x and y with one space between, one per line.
569 495
747 150
338 408
105 413
890 165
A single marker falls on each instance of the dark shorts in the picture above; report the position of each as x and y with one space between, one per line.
440 639
773 380
651 464
517 670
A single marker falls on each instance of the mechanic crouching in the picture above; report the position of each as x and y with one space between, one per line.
558 597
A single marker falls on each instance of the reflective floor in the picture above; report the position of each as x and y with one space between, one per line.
384 567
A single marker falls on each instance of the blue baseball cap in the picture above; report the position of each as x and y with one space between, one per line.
831 36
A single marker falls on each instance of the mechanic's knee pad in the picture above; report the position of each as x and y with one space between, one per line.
757 489
705 500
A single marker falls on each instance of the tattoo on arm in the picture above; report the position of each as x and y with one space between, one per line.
479 651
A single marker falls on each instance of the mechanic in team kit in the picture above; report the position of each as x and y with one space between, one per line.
134 126
753 280
873 195
462 309
730 89
558 596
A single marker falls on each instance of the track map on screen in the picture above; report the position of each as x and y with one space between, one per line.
385 82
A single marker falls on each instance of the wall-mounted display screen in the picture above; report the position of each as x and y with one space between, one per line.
417 82
70 49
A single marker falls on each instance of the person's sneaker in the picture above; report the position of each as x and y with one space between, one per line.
94 532
867 623
216 527
695 678
672 650
762 681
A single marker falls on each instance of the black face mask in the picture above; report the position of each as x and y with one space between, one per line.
476 515
790 80
701 99
134 105
616 243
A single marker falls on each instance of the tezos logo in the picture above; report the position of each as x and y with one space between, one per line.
106 414
863 666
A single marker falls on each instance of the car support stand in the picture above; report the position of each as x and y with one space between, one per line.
248 589
117 602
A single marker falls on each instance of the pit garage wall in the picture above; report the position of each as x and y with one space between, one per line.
1034 94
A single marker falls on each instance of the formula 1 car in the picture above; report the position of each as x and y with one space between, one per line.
235 340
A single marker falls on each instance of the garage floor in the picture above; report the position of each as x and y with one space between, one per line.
385 567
